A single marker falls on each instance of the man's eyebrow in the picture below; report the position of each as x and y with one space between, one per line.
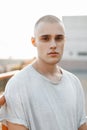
46 35
60 35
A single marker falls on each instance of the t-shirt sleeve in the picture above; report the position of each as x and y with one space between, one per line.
13 111
80 105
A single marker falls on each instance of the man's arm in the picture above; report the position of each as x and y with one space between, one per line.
12 126
83 127
2 100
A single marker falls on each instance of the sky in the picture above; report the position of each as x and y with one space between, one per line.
17 19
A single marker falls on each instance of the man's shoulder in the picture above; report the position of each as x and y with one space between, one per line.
21 75
69 74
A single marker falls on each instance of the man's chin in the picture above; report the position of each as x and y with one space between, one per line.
53 62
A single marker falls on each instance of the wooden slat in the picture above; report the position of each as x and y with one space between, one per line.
4 127
7 74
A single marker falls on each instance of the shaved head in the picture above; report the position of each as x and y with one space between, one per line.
47 19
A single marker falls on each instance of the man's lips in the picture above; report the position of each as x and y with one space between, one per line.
53 53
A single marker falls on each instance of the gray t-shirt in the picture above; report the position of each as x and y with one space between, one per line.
39 104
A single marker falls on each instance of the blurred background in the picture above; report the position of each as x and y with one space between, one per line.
17 19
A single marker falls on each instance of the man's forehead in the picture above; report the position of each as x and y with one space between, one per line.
46 28
41 24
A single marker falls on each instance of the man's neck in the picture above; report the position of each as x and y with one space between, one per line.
52 72
45 67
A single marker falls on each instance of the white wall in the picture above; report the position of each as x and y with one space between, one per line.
76 37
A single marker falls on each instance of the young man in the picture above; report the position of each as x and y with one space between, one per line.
43 96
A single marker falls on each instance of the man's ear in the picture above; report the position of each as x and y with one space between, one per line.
33 41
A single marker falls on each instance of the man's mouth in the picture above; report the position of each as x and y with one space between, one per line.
53 54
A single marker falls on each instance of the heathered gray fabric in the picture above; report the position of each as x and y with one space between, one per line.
39 104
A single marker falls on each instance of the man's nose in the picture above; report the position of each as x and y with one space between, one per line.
52 44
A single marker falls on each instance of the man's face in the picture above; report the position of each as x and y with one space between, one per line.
49 40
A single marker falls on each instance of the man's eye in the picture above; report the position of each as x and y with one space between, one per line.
59 37
45 38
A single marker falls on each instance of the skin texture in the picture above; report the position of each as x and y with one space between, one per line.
83 127
2 100
49 40
12 126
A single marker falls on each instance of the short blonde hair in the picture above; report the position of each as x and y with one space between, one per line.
48 19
